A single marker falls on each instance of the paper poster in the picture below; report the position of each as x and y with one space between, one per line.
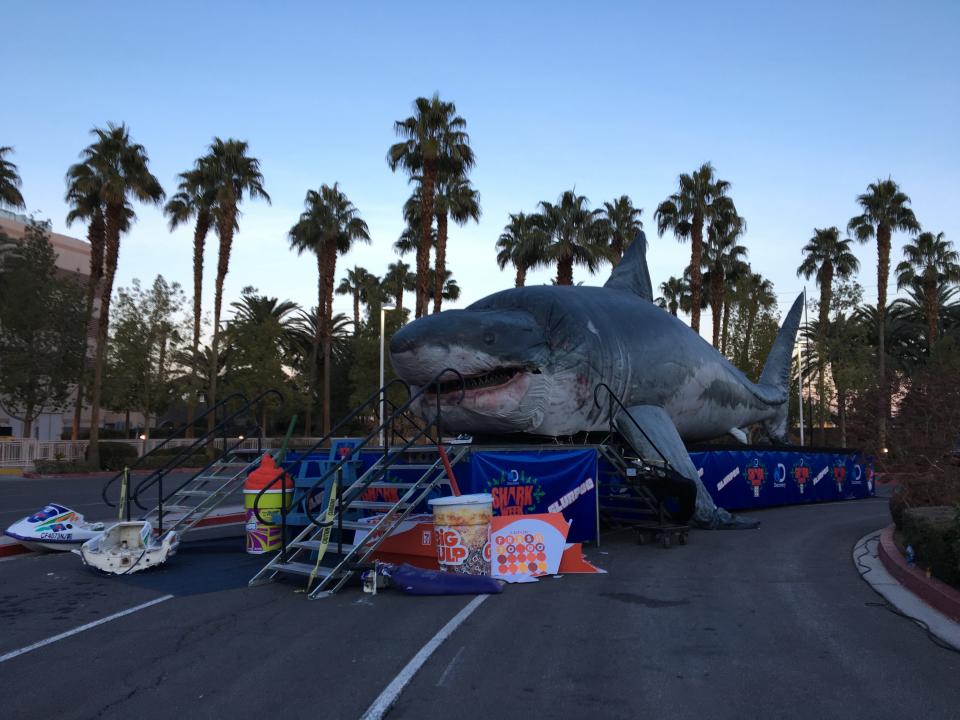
527 546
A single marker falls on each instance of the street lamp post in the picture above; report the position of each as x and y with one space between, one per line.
383 311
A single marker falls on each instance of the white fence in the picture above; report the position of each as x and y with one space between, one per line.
23 453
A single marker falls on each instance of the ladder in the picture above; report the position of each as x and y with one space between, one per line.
201 494
346 558
627 500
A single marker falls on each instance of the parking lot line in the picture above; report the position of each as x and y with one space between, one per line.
389 696
69 633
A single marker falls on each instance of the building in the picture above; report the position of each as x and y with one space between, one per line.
73 258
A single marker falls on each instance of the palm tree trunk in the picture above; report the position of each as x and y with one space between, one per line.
842 412
199 240
565 271
95 235
725 333
932 302
521 275
826 291
114 221
328 332
616 248
716 301
225 223
440 270
27 423
315 348
696 255
356 311
745 350
883 271
426 224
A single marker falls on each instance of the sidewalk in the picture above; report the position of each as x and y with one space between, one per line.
906 588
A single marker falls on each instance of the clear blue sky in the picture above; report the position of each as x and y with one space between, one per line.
799 107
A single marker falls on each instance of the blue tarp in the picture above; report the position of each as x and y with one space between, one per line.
529 482
754 478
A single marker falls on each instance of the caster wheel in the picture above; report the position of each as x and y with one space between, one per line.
641 539
665 541
682 539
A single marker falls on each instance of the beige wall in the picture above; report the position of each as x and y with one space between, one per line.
73 255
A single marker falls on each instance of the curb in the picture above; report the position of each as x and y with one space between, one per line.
10 547
934 592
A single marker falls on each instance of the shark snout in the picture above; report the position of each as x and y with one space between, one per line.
469 341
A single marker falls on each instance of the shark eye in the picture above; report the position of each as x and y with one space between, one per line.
488 337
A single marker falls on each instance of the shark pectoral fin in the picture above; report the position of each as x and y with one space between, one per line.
739 435
651 433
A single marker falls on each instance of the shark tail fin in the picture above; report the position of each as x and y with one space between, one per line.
776 371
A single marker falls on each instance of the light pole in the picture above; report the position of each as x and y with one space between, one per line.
383 311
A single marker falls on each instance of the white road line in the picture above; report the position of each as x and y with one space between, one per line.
449 667
389 696
69 633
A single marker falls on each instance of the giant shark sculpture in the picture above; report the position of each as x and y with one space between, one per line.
532 357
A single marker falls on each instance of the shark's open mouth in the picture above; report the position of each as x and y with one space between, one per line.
485 381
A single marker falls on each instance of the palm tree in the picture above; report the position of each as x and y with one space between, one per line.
685 213
826 255
260 309
623 223
760 292
521 243
721 253
83 197
397 280
673 289
328 227
117 169
195 198
450 288
232 174
574 236
733 273
10 181
457 199
433 138
930 262
354 284
884 212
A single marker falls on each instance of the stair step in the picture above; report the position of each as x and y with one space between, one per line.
300 568
196 493
388 485
375 505
315 545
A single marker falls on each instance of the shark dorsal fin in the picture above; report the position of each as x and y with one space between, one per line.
632 274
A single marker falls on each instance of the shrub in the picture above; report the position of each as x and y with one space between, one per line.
115 455
934 533
50 467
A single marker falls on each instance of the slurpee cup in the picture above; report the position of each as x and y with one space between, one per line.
461 531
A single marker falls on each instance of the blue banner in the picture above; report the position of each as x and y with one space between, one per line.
529 482
751 478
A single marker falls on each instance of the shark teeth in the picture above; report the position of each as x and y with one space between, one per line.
494 378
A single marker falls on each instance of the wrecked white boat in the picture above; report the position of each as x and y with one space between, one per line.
128 547
55 527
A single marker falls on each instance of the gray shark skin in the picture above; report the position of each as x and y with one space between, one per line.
532 357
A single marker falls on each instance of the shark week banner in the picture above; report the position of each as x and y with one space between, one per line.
743 479
529 483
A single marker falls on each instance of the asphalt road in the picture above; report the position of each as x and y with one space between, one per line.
768 623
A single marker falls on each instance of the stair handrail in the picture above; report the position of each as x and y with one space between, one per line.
617 401
281 472
202 441
356 489
173 435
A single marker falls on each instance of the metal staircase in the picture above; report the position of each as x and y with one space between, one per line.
630 500
200 495
311 546
342 504
192 500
